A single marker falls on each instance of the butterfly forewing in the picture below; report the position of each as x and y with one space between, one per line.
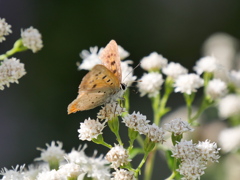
96 88
111 59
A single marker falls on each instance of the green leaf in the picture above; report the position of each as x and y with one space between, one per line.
135 151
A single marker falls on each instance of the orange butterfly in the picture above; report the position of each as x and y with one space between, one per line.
102 84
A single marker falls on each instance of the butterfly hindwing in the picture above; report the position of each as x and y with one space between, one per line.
96 88
111 59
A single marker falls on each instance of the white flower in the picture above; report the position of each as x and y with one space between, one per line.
70 170
155 133
229 139
53 153
137 122
49 175
118 156
5 29
110 110
13 174
224 47
178 127
216 88
123 174
10 71
94 167
77 156
153 62
229 106
32 39
234 77
90 129
207 151
122 52
127 73
191 169
150 84
90 58
206 64
32 171
184 150
173 70
188 83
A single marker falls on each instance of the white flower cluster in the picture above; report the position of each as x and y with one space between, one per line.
94 167
155 133
174 70
122 52
178 127
194 157
110 110
10 71
139 123
5 29
234 77
229 139
216 88
127 73
123 174
91 57
229 106
150 84
32 39
77 166
53 153
188 83
118 156
153 62
90 129
206 64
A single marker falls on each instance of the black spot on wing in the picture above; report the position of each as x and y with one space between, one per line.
94 86
113 62
104 77
114 71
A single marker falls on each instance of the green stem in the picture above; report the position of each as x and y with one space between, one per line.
172 175
126 100
204 105
100 140
138 170
149 165
189 99
155 106
114 126
140 141
168 90
17 47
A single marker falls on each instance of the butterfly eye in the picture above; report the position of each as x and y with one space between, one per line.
123 86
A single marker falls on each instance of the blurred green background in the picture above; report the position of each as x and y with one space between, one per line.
35 111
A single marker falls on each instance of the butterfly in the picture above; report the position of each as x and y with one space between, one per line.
102 84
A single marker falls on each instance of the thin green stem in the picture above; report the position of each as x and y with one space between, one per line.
140 141
100 140
172 176
18 47
114 126
149 165
155 106
126 100
138 170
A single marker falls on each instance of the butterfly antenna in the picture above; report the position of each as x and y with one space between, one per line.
132 72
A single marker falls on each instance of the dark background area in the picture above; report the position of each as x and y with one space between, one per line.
35 111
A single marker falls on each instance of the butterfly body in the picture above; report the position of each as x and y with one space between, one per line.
102 84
